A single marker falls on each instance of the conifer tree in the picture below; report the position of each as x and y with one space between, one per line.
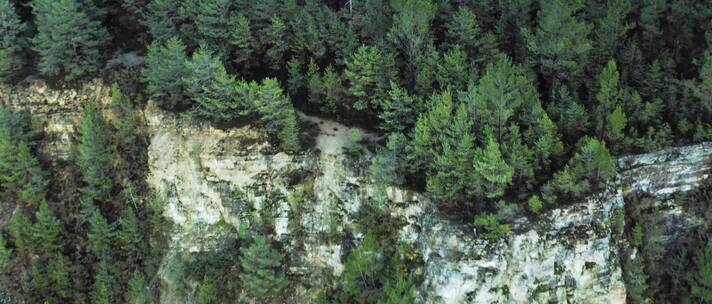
399 291
211 89
464 31
12 41
493 169
701 278
164 71
21 231
162 19
242 42
101 235
334 90
5 256
261 275
362 270
609 116
276 39
69 40
428 130
138 291
46 232
410 31
398 110
95 155
368 72
212 23
100 290
560 42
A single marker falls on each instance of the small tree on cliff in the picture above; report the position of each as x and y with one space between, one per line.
262 276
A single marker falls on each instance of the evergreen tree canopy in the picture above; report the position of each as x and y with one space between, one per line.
69 39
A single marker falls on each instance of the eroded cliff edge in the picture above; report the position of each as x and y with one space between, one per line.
568 255
215 178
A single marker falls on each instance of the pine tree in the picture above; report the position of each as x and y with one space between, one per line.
101 235
593 162
242 42
362 270
21 176
261 275
560 42
46 232
12 41
276 40
611 30
278 113
101 288
493 169
21 231
58 273
398 110
608 101
162 19
453 71
400 290
95 155
411 30
137 290
129 237
334 90
68 40
464 31
211 89
206 292
428 130
500 92
212 23
164 72
635 279
6 262
368 73
387 167
701 278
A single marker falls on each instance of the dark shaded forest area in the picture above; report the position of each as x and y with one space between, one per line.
494 108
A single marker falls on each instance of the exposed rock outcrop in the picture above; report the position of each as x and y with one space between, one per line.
568 255
215 178
57 110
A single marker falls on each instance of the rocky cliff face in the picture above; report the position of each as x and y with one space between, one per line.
57 110
211 179
568 255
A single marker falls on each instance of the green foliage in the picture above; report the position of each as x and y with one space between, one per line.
164 71
138 291
262 275
411 30
207 293
535 204
493 169
398 110
492 229
636 279
69 38
463 30
701 278
95 154
362 270
560 41
353 145
46 231
12 41
211 89
399 291
369 72
101 235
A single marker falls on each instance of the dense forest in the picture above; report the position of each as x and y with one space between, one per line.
494 108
